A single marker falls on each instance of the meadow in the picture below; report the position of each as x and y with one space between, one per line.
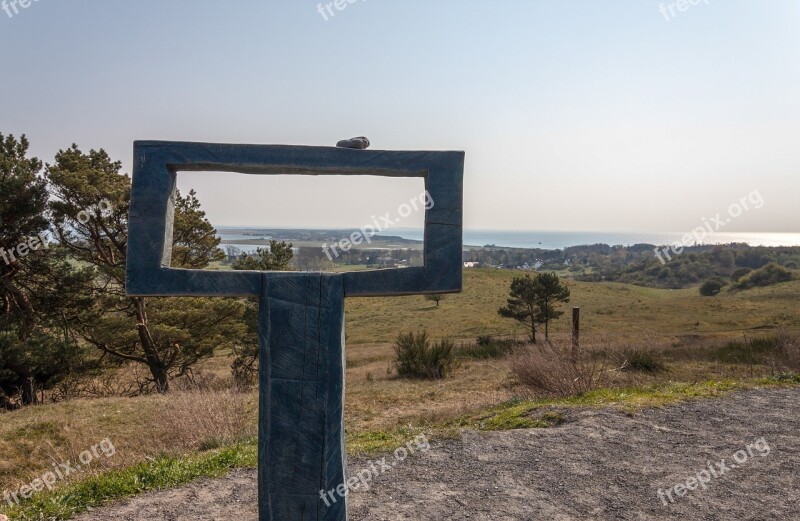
688 346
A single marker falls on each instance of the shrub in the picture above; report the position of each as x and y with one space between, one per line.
739 273
787 358
711 288
766 276
487 347
644 361
556 370
781 351
417 357
485 340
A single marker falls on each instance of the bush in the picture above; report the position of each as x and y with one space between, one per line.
787 357
416 357
487 347
711 288
781 351
556 370
739 273
766 276
644 361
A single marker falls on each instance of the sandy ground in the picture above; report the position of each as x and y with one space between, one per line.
601 464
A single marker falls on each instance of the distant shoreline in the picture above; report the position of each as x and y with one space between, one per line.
412 238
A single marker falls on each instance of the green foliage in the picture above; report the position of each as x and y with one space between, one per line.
739 273
711 288
417 357
522 304
766 276
194 242
41 358
277 258
41 292
24 193
161 473
550 292
438 297
533 301
487 347
639 264
89 208
644 361
749 351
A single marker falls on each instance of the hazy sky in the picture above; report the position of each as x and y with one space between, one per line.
575 115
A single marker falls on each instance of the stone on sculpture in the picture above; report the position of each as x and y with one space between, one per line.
359 143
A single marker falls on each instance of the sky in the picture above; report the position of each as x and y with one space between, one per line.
580 115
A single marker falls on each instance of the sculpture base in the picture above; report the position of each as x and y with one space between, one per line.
301 403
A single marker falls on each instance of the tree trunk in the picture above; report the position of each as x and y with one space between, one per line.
158 369
161 377
24 304
28 392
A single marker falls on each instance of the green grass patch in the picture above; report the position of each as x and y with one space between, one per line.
790 379
487 348
164 472
531 414
378 442
751 351
644 361
168 472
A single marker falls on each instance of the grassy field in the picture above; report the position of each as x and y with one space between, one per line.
167 440
617 310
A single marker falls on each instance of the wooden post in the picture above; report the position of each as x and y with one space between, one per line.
301 434
576 331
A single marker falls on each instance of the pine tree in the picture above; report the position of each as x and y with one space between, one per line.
41 292
168 335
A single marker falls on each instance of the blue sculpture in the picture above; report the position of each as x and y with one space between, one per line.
301 331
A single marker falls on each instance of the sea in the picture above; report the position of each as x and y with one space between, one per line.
554 240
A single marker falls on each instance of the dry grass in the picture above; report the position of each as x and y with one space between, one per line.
555 368
203 420
618 310
377 399
204 413
31 440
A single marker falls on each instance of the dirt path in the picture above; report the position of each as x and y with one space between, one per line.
600 465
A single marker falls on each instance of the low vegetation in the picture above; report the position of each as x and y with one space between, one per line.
558 369
418 357
487 347
765 276
644 361
171 381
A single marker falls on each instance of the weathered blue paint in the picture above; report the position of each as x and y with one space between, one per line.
301 331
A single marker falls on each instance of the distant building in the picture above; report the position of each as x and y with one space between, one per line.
472 264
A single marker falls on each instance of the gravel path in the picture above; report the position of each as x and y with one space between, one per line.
601 464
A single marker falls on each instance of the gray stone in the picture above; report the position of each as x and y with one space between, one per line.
359 143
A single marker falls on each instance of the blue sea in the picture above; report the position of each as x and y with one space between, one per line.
559 240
